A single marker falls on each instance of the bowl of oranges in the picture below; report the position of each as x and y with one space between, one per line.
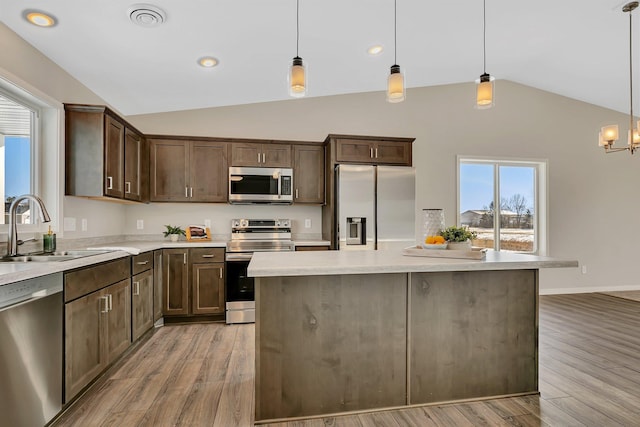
434 242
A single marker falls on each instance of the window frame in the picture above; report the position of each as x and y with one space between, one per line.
540 184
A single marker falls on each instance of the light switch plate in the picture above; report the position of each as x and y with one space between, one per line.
83 224
140 224
307 223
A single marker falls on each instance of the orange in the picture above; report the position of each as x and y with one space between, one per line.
439 239
430 240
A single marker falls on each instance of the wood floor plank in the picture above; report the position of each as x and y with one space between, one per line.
203 375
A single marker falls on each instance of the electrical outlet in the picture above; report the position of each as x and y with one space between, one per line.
140 224
69 224
207 223
307 223
83 223
584 269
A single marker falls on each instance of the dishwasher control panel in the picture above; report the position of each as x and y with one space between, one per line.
17 292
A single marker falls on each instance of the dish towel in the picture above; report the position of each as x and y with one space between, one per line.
129 249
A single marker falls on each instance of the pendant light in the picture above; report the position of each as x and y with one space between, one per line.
609 134
395 83
484 85
297 75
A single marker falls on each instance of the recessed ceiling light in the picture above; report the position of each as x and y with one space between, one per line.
41 19
208 61
375 50
146 15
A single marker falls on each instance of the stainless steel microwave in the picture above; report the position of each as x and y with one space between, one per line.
260 185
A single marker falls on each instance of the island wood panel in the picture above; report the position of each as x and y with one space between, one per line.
329 344
473 334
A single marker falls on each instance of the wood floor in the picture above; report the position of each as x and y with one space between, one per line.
202 375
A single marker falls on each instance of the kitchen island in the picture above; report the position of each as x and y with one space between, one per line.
347 331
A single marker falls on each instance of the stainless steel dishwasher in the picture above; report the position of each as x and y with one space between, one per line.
31 351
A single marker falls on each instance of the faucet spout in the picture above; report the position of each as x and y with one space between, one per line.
12 240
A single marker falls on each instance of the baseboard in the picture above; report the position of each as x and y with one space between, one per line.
586 290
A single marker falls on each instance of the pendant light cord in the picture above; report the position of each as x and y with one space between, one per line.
631 75
297 26
395 31
484 36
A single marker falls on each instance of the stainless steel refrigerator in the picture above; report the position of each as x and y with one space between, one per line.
375 207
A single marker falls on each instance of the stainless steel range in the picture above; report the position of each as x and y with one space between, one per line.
249 236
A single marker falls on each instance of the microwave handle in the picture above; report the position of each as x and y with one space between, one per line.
279 185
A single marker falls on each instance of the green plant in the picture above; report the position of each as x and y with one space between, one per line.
174 230
458 234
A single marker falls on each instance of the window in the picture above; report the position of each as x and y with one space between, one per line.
17 122
504 202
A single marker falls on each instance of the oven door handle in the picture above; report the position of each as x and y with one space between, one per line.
238 256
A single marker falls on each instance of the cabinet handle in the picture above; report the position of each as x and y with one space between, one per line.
264 158
127 187
190 191
110 298
258 157
142 262
221 273
296 193
376 152
184 258
208 256
136 288
186 191
371 152
105 307
109 183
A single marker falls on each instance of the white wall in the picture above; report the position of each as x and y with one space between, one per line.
589 193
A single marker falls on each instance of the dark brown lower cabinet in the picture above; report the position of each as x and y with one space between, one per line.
193 281
97 331
141 303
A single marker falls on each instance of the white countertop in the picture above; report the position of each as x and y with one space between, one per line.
15 272
270 264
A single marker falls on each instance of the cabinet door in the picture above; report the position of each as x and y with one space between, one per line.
136 171
157 285
209 173
308 174
354 150
208 288
246 154
113 158
169 163
141 304
118 327
396 153
276 155
84 341
175 280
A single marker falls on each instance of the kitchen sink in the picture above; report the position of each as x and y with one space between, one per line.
53 256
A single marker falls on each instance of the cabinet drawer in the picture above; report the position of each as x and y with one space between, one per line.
82 282
142 262
200 255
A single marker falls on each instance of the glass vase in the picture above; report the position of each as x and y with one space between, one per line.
432 222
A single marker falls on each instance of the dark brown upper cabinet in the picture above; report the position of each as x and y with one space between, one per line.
308 174
369 150
188 170
261 154
105 157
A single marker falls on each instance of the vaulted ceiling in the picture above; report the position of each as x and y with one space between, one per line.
575 48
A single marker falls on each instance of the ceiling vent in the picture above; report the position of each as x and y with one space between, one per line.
146 15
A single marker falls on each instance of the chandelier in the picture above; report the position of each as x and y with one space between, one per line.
609 134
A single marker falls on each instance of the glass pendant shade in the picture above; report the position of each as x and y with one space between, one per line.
297 78
484 91
395 85
636 138
608 135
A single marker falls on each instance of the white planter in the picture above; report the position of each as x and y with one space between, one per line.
174 237
459 246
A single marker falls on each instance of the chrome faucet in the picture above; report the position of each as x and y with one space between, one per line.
12 240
